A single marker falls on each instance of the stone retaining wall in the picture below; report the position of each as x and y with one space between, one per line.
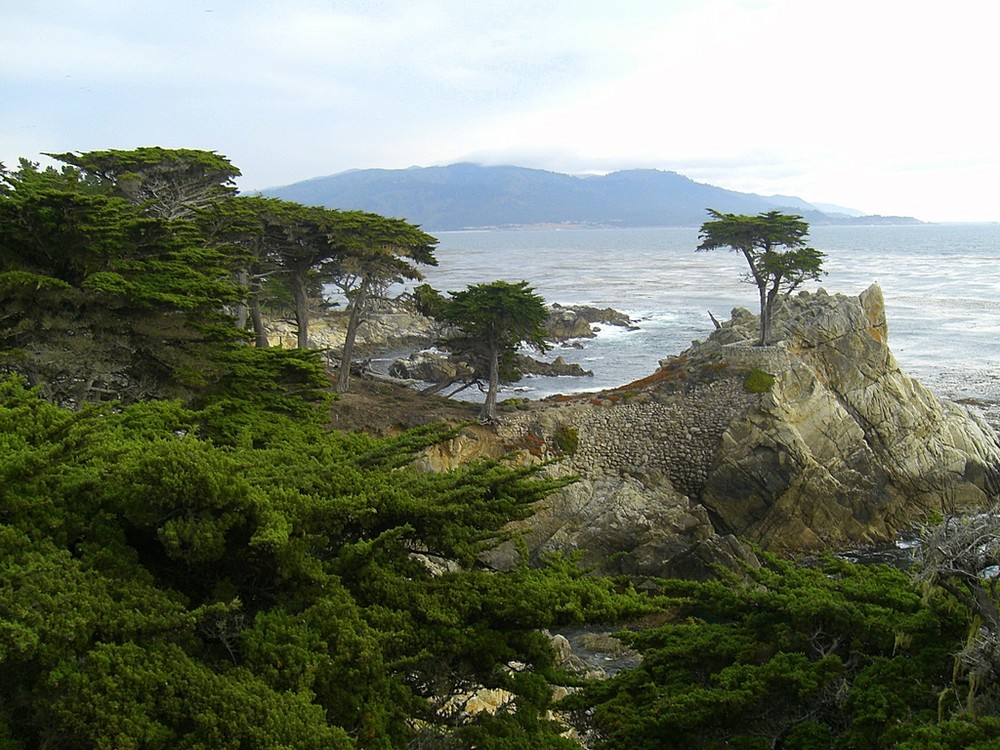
678 439
770 359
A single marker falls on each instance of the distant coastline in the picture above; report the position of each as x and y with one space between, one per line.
472 197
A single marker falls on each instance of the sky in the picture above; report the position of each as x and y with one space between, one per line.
884 106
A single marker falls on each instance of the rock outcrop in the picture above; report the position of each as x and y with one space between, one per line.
395 327
621 526
838 448
845 447
431 366
567 322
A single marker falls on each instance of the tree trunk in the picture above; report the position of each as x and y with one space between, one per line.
489 412
353 321
253 306
242 308
765 316
301 297
260 335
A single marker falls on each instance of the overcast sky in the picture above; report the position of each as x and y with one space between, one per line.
887 106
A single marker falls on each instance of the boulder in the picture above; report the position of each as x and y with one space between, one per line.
620 526
565 323
558 367
577 321
429 365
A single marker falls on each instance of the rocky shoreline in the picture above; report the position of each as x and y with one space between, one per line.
680 470
397 326
684 469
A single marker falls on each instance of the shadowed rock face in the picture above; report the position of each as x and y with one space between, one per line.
843 449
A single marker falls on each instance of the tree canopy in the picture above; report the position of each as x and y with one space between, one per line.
827 655
773 270
490 322
148 269
382 251
102 300
223 578
169 183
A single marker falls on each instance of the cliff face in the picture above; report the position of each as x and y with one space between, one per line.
843 449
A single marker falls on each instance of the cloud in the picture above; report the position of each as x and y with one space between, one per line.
783 96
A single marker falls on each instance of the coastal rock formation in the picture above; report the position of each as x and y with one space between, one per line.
621 526
845 447
430 366
396 326
679 470
837 448
558 367
567 322
434 366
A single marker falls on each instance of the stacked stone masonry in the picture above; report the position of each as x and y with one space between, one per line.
677 438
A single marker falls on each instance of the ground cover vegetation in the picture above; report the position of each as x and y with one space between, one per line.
829 655
179 578
190 557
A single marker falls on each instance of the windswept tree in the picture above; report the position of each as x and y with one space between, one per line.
306 239
960 557
250 231
775 248
99 300
491 321
168 183
381 251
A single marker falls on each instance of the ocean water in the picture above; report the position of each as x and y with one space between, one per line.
941 284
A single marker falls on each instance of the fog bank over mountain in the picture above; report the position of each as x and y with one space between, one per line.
464 196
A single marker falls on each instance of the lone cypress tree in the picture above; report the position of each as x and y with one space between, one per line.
775 271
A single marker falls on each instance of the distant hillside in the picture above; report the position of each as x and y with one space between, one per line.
462 196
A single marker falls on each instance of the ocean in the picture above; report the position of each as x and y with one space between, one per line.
941 284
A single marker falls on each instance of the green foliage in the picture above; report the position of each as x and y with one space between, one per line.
102 300
380 251
830 655
758 381
169 183
490 322
428 300
173 581
256 388
134 274
760 240
567 439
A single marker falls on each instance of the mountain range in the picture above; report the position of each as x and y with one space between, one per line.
466 196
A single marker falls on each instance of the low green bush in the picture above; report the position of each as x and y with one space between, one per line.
567 439
758 381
